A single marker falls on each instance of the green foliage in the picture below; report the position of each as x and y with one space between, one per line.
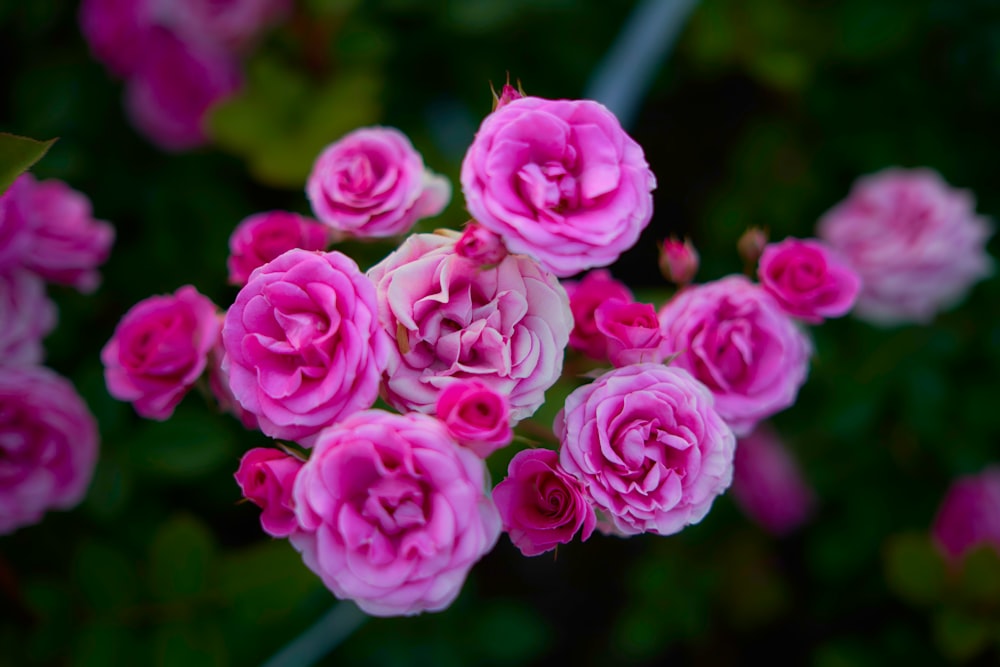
17 154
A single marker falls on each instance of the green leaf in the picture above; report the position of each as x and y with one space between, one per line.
182 559
192 644
264 582
914 569
190 444
17 154
105 577
961 636
980 578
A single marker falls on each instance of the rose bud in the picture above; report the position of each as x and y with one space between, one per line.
507 95
969 515
678 261
480 245
266 476
632 332
476 415
585 296
751 245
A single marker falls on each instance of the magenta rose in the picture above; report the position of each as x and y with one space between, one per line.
559 180
64 244
232 24
735 338
393 512
632 332
585 296
768 485
476 415
218 384
159 350
14 226
969 515
808 279
480 245
541 505
266 477
648 447
48 445
372 183
264 236
176 84
304 348
117 31
917 244
452 319
27 315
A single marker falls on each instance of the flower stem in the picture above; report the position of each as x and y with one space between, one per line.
321 638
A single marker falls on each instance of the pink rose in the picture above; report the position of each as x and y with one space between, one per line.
768 485
264 236
969 515
735 338
541 505
585 296
372 183
480 245
14 226
808 279
678 261
393 512
304 348
559 180
175 86
64 243
48 445
632 332
117 31
159 350
232 24
648 447
476 415
27 315
452 319
917 244
218 384
266 477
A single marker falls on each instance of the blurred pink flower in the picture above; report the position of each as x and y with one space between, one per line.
232 24
585 296
266 477
27 316
476 415
265 236
808 279
118 31
969 515
678 261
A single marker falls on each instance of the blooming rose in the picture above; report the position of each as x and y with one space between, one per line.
480 245
63 242
559 180
808 279
117 31
632 332
969 515
266 477
372 183
218 384
48 445
648 447
541 505
303 343
175 86
159 350
585 296
27 316
678 261
735 338
264 236
476 415
394 513
452 319
916 243
232 24
14 228
768 485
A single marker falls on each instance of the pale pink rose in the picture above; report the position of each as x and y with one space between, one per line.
14 227
585 296
373 183
768 485
916 242
175 86
452 319
632 332
480 245
678 261
218 384
559 180
541 505
27 315
969 515
735 338
266 477
648 447
232 24
159 350
393 512
48 445
264 236
117 31
808 279
304 348
476 415
64 244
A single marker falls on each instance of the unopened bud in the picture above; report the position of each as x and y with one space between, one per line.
751 245
507 94
678 261
480 245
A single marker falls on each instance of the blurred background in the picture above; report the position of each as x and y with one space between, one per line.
761 114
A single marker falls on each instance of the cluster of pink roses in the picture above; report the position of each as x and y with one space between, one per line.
48 437
179 58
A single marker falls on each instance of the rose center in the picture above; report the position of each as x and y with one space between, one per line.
395 504
549 188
